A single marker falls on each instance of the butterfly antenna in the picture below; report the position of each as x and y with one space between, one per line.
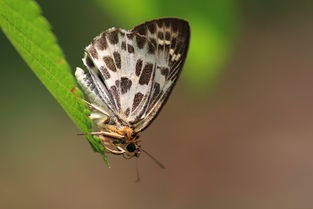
154 159
138 176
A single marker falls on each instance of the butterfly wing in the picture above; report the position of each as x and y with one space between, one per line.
170 36
134 71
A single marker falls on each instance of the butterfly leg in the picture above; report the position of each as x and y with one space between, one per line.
114 151
101 122
107 142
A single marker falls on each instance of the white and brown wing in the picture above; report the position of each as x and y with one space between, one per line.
171 38
134 71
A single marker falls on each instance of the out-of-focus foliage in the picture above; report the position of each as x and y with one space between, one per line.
30 34
213 25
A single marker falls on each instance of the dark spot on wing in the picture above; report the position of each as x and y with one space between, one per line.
125 84
138 67
151 48
143 109
93 52
151 27
160 47
173 44
164 71
109 63
137 99
167 23
146 74
160 35
140 41
130 36
167 36
156 88
166 48
141 30
122 33
100 76
105 72
117 84
160 23
123 46
130 48
113 37
116 96
102 42
89 62
117 59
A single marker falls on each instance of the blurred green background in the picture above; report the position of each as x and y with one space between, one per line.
236 133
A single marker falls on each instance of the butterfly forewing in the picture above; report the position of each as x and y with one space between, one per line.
170 36
134 71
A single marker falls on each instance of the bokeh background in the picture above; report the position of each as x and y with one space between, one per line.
236 133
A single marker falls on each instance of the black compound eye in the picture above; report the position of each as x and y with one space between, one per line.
131 147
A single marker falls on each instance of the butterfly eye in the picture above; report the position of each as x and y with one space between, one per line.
89 62
131 147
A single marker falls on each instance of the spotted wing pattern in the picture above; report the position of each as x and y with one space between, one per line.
133 72
170 36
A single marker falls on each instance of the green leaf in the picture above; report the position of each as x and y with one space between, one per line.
30 33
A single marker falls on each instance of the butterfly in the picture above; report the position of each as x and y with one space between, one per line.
130 75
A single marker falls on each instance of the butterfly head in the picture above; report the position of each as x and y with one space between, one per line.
128 148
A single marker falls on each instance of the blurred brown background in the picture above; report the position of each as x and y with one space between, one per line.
245 143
